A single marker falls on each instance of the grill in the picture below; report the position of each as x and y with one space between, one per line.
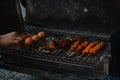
64 20
56 60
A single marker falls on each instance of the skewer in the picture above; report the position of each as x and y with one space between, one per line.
81 55
81 47
95 49
87 56
86 50
73 47
41 48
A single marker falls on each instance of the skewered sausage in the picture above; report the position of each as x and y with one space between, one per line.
86 50
74 46
82 46
97 48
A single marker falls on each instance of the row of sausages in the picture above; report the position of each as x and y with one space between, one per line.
86 47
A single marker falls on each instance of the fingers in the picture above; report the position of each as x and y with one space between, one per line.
12 38
11 34
15 42
18 38
14 34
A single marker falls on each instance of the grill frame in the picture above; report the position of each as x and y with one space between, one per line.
22 58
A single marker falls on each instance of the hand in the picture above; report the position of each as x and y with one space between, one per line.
9 39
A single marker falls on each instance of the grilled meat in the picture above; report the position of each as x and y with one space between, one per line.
81 46
75 45
86 50
51 45
97 48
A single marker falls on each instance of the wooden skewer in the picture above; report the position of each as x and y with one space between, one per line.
81 55
41 47
90 46
95 49
67 54
87 56
81 47
73 47
86 50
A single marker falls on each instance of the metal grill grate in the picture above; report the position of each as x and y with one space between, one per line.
59 55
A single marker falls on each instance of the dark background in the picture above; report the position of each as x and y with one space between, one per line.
95 16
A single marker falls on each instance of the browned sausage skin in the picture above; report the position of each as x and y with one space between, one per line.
81 46
97 48
75 45
86 50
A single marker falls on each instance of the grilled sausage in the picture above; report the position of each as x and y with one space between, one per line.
97 48
82 46
86 50
74 46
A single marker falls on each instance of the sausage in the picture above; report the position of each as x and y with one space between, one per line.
86 50
74 46
82 46
97 48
